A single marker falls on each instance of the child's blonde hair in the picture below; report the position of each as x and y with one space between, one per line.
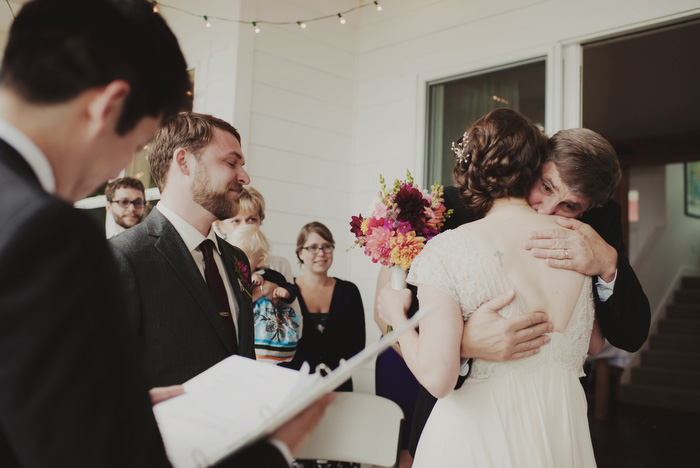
251 201
251 240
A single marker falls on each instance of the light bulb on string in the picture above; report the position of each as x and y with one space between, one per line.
257 29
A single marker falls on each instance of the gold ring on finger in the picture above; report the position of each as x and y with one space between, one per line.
566 254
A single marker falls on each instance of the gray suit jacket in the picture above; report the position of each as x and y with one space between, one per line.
173 315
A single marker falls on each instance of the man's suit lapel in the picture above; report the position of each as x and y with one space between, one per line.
12 160
169 243
246 333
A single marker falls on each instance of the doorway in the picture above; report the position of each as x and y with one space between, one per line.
640 91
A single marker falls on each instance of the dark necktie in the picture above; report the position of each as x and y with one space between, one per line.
218 291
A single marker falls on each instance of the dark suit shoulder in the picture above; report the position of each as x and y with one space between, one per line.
460 214
14 168
28 220
22 195
135 238
607 222
60 316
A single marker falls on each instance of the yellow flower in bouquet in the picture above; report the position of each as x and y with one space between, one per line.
404 248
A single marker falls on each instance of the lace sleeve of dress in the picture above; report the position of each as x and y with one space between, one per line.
432 268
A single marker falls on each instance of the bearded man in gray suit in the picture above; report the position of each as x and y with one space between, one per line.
181 326
197 162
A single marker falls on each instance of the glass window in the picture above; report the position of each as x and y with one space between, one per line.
454 104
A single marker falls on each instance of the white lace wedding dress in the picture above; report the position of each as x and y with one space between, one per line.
528 413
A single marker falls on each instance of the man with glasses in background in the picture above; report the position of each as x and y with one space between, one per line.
126 199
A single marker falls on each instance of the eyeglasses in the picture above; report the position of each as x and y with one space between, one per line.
313 249
124 203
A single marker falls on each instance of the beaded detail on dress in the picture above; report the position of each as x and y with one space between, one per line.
474 278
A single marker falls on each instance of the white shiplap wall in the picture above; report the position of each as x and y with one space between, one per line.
324 110
301 124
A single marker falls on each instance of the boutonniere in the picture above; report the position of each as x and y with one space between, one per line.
243 277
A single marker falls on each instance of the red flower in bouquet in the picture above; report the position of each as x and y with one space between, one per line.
411 206
356 225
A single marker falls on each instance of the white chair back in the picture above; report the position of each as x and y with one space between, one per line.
357 428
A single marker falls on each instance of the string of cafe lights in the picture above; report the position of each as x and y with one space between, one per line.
256 23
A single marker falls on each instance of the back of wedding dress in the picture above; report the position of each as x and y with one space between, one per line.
529 412
475 276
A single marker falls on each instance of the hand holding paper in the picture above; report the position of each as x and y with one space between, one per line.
160 394
240 401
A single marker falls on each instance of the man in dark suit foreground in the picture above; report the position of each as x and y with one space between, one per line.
83 84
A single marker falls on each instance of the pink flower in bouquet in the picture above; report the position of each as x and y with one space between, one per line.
436 219
378 245
404 227
404 248
373 223
380 210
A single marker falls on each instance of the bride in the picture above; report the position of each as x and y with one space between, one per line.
525 413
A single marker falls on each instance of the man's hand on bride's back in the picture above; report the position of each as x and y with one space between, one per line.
489 336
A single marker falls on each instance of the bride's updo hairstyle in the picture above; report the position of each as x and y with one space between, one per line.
499 156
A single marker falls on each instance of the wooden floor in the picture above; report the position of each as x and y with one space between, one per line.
640 437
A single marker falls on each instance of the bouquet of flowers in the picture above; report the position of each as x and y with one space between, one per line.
400 222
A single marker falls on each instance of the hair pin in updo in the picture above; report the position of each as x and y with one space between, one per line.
459 149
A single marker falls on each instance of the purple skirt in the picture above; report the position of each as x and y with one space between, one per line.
393 380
